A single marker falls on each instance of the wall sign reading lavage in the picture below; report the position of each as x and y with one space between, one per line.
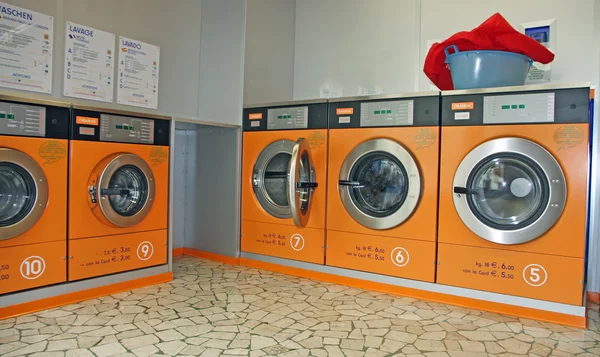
138 73
89 63
26 46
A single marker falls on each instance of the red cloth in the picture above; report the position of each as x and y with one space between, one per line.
494 34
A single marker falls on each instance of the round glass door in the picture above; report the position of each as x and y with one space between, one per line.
380 184
512 191
17 193
509 190
384 184
23 193
270 178
126 190
132 187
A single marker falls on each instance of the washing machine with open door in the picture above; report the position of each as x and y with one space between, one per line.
283 180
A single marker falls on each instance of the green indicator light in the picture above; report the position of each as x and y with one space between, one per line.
11 116
506 107
288 116
377 112
514 106
126 127
521 106
279 117
119 127
130 128
2 115
389 112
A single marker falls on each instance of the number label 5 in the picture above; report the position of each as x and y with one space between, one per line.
535 275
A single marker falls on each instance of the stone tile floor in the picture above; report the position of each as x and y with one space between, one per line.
212 309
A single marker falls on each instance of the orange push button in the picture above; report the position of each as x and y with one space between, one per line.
32 266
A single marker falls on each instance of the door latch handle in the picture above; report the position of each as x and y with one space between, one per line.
465 191
307 185
113 192
93 191
355 184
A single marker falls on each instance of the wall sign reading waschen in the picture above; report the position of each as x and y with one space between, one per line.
138 73
89 63
26 47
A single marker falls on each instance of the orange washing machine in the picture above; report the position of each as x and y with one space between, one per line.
513 191
118 192
283 180
383 184
33 193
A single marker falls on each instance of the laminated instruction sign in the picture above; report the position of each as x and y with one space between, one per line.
138 73
89 63
25 49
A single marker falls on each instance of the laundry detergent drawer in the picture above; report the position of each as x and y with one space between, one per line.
33 265
401 258
538 276
99 256
282 241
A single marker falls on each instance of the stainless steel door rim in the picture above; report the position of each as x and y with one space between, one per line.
301 182
413 193
29 167
261 188
551 177
105 204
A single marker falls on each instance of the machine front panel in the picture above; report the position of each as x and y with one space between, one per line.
32 265
537 276
114 254
402 258
289 117
126 129
562 106
90 125
21 119
284 241
418 111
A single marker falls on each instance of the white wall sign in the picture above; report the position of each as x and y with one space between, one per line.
89 63
365 91
26 47
545 33
138 73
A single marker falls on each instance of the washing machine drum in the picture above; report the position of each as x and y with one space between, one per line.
509 190
380 184
126 188
23 193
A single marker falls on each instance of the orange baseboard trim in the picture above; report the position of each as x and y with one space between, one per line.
548 316
177 252
77 296
211 256
593 297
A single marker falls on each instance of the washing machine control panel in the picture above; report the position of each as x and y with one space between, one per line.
388 113
22 119
287 118
126 129
527 106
